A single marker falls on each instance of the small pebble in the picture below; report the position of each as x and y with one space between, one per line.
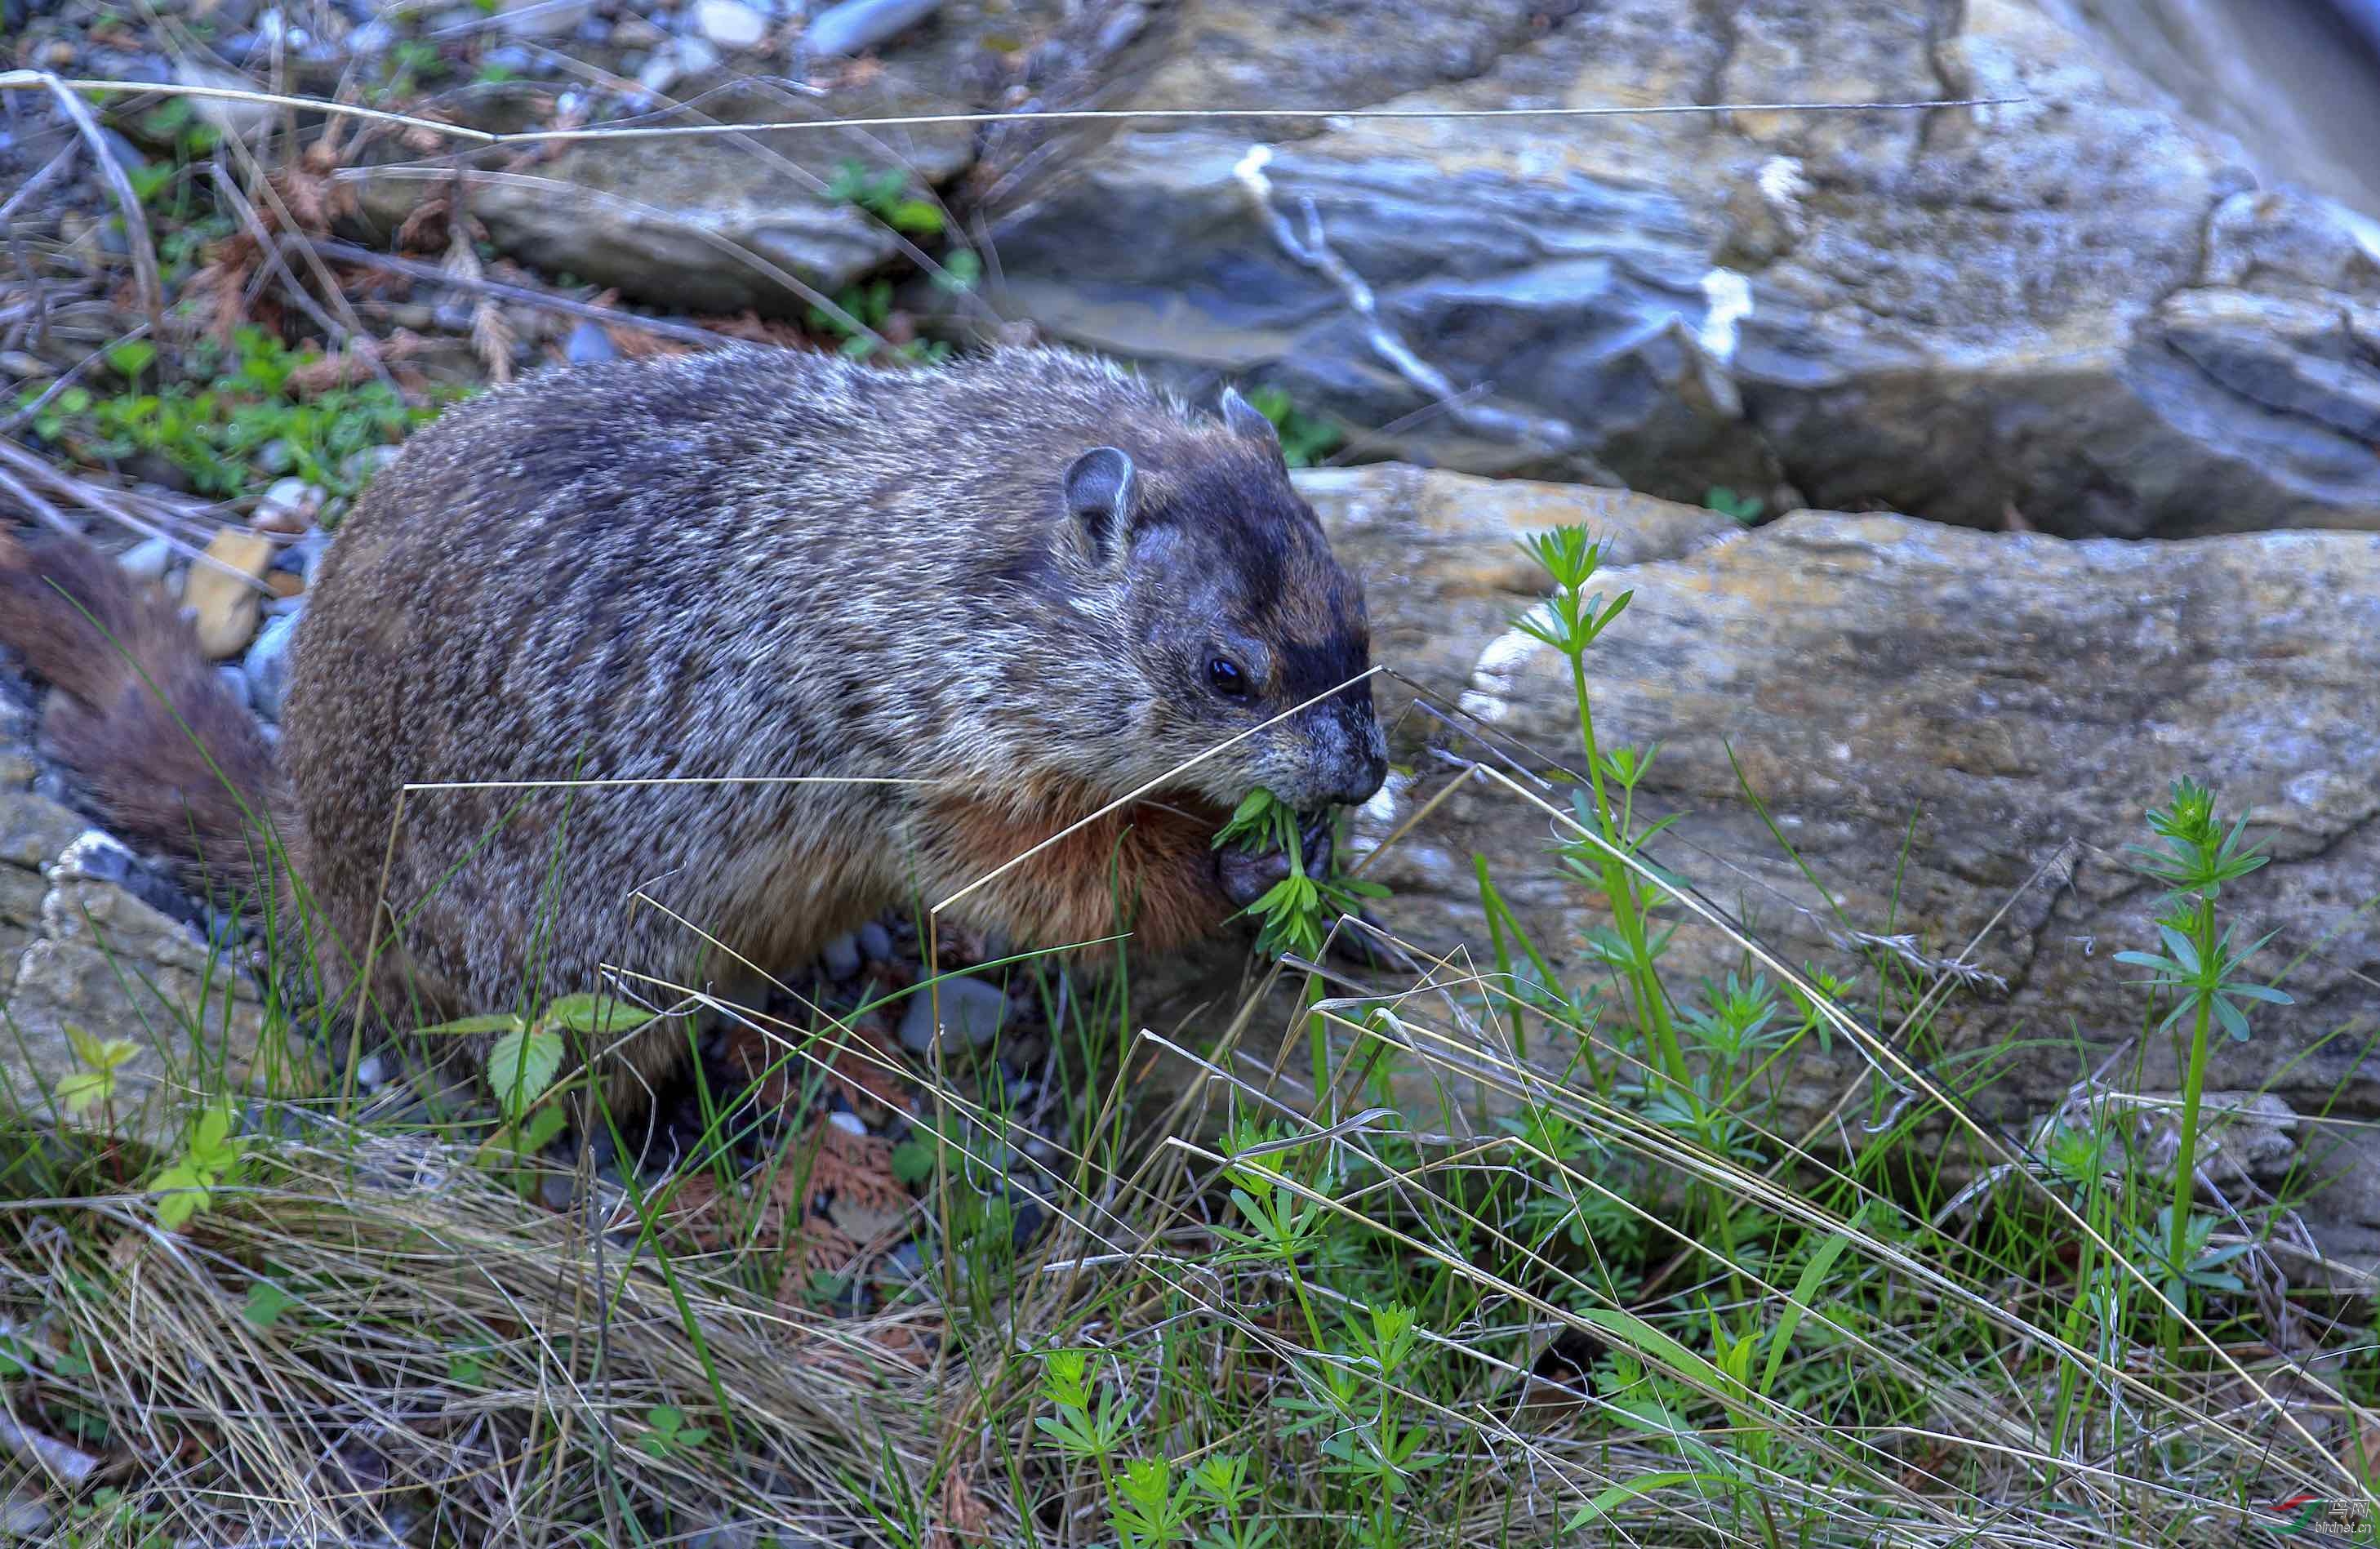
970 1008
1123 25
858 25
375 36
560 1191
875 942
589 343
695 55
514 57
543 19
840 958
368 462
127 154
146 560
236 682
265 670
304 554
657 74
1027 1219
848 1123
731 24
227 606
289 505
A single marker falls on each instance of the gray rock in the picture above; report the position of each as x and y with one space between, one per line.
302 556
515 58
146 560
33 829
730 24
373 37
840 956
101 960
265 670
848 1123
288 505
858 25
2024 307
229 115
2026 697
589 343
695 55
706 225
970 1008
235 681
661 72
542 19
875 942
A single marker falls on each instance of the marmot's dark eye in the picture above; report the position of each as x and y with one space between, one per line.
1224 676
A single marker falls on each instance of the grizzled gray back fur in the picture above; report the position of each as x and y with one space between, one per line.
769 563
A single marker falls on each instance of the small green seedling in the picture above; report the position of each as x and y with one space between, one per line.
671 1436
524 1059
211 1159
1744 509
93 1085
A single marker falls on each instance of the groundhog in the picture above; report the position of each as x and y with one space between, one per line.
1025 581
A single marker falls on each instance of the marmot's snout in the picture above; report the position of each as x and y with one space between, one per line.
1342 754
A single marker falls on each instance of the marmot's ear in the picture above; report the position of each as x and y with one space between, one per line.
1100 489
1247 419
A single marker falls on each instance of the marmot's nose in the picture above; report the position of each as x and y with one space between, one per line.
1364 778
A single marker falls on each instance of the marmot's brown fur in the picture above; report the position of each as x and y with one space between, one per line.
1025 579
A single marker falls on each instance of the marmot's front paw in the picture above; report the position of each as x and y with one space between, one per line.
1246 877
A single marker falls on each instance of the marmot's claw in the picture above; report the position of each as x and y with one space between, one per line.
1315 836
1245 877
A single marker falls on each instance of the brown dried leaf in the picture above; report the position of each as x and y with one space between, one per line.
341 367
311 192
964 1519
857 1167
757 329
426 227
492 337
856 1070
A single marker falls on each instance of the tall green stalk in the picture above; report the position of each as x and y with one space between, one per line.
1572 622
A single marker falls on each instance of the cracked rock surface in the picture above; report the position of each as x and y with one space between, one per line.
2076 310
1945 724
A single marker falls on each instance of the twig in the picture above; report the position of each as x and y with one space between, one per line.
136 220
1313 250
21 81
351 326
230 186
101 500
431 273
39 180
41 509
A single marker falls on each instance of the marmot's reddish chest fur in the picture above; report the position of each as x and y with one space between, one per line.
967 606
